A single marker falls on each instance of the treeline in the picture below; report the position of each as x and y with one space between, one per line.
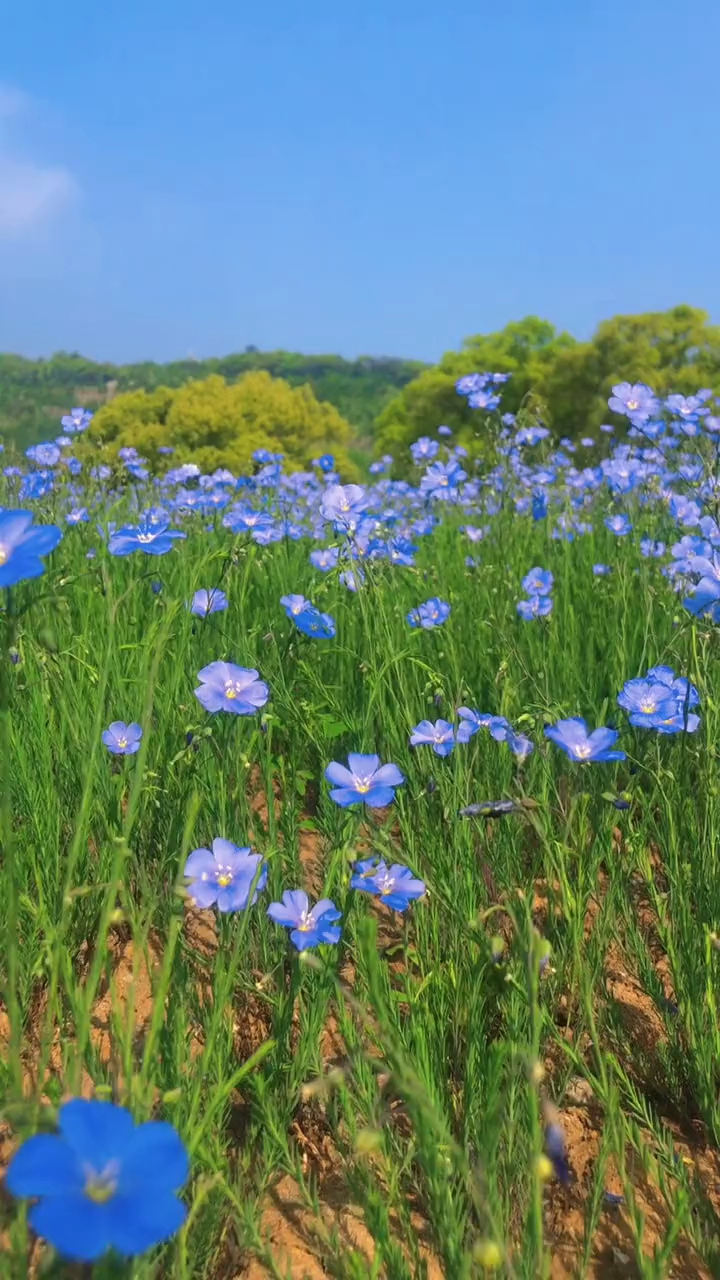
34 393
567 382
385 403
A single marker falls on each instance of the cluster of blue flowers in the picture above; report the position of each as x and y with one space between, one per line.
661 700
231 878
432 613
309 620
537 585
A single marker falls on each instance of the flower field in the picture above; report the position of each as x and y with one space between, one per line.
360 895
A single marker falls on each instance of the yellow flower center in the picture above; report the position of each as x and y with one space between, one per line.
632 404
4 554
101 1187
224 880
582 750
122 742
362 786
647 707
145 537
230 691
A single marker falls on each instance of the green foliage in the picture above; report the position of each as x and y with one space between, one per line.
526 349
217 424
672 351
35 393
410 1055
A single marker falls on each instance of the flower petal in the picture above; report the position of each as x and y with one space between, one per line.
156 1158
97 1131
44 1166
339 775
362 766
140 1221
76 1227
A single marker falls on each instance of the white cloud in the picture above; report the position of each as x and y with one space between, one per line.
32 194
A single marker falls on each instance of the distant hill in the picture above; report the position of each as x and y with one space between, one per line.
35 393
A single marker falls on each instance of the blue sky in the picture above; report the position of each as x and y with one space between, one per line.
382 177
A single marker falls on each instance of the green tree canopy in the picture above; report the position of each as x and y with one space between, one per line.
672 351
216 424
35 393
527 349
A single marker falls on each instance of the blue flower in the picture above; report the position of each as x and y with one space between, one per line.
649 548
679 686
645 700
401 551
352 579
102 1182
313 623
469 383
424 449
441 480
343 504
535 607
476 534
78 515
483 400
324 558
122 739
440 736
225 687
154 538
539 506
618 524
396 886
205 602
294 605
365 781
538 582
573 737
242 519
45 455
706 593
520 745
224 876
635 400
76 420
661 701
21 546
473 720
601 570
430 614
308 927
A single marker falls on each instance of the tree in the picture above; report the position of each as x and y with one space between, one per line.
527 349
216 424
671 351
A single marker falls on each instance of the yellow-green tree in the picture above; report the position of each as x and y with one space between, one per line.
214 423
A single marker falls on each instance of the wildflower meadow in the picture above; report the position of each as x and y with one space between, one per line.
359 894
